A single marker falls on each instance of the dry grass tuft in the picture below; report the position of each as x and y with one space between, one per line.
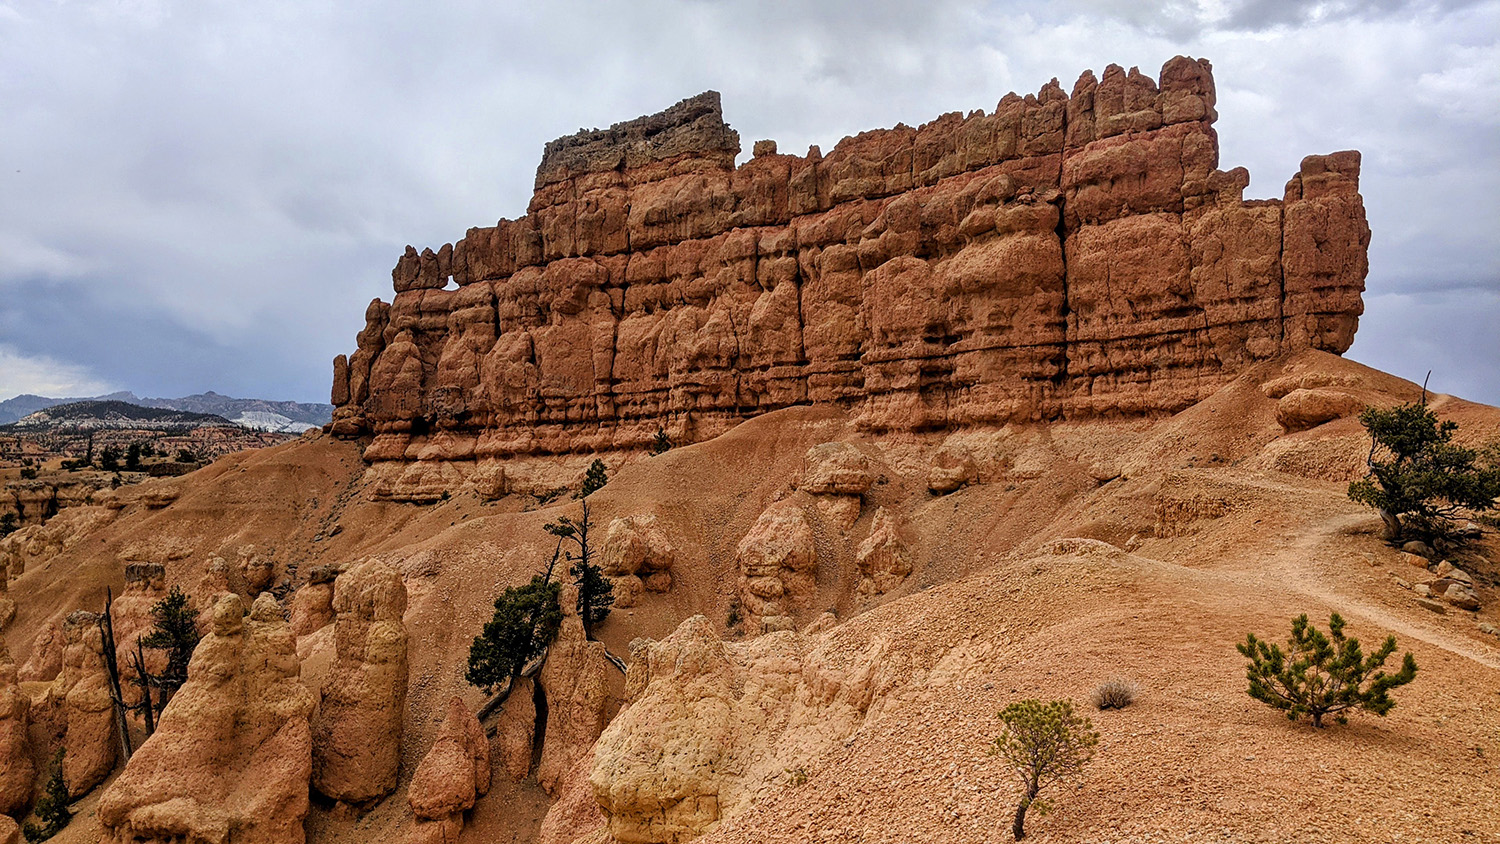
1116 694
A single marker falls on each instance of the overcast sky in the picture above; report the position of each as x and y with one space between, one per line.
204 195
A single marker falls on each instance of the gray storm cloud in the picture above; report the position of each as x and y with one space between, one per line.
203 196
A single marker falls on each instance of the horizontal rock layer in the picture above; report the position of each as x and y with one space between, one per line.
1060 257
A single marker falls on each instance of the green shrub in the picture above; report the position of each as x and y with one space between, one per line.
1044 743
51 810
1321 675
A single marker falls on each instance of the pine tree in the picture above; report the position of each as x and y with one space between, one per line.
595 479
595 593
661 443
1321 675
51 809
176 632
1424 478
1044 743
525 623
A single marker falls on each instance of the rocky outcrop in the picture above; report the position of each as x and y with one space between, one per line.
232 756
575 682
718 724
1060 256
145 585
778 561
455 771
515 729
81 691
882 558
17 771
357 735
953 466
312 606
637 556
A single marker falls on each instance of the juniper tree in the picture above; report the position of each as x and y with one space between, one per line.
1419 479
1044 743
1320 675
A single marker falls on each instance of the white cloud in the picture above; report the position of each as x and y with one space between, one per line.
43 376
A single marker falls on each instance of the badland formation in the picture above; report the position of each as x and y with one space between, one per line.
999 407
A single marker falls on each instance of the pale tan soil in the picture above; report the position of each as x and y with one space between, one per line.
1222 545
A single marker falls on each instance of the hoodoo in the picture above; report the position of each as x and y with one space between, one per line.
1060 257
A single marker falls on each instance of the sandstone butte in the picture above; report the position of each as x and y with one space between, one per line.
998 408
1062 257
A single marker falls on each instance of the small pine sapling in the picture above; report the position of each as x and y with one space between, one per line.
595 592
594 479
1320 675
1044 743
661 443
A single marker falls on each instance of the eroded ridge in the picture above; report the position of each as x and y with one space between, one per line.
1060 257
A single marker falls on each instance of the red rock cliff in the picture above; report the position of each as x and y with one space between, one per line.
1063 256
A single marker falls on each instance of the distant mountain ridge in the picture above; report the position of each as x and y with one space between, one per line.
255 413
91 415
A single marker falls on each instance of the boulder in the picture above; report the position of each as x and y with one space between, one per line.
357 734
882 558
1302 409
835 469
232 756
455 771
952 467
636 545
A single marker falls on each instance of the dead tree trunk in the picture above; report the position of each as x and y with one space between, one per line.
107 628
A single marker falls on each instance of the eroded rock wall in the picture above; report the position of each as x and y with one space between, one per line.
1060 256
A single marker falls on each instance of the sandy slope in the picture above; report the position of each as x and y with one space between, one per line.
1232 526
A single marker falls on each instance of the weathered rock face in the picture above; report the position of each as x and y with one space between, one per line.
17 771
718 724
883 559
778 561
638 558
575 681
312 606
91 741
1062 256
232 756
455 771
357 736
